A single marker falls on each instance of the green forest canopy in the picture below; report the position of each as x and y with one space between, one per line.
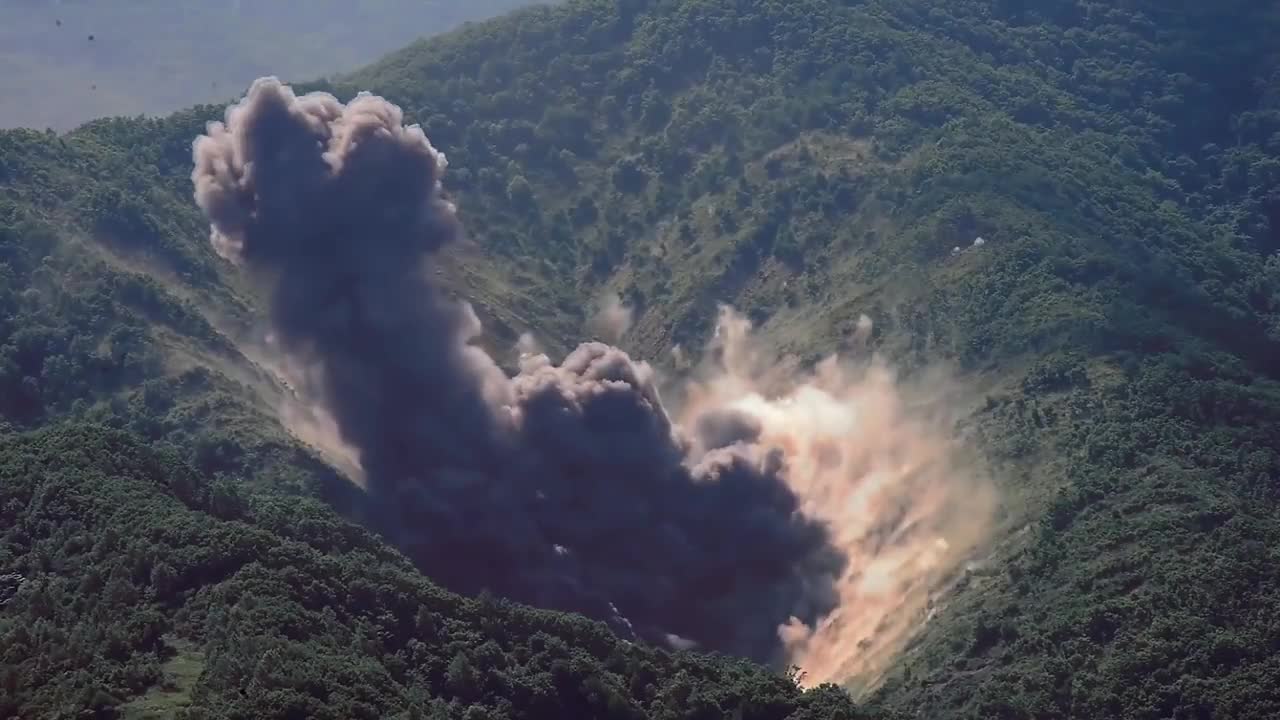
807 161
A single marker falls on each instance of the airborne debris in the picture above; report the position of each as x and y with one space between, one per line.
977 242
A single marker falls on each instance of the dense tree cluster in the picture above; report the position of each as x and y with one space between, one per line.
132 560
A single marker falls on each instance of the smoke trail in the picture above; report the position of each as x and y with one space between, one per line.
753 522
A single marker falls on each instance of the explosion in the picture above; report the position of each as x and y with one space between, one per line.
781 515
905 507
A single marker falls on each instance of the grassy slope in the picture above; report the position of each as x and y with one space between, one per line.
148 56
812 161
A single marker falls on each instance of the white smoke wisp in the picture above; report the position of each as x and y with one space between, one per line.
314 426
527 345
612 320
905 503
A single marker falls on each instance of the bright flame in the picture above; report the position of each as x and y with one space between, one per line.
904 505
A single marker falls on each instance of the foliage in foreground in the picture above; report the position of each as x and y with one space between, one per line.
123 553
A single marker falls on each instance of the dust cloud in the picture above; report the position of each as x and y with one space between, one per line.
874 459
784 514
307 420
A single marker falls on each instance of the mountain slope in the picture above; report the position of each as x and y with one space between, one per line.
64 63
149 479
163 550
809 162
1122 175
298 614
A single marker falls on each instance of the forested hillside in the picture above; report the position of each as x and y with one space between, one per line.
807 161
67 62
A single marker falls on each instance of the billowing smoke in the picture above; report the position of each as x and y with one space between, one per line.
565 486
779 515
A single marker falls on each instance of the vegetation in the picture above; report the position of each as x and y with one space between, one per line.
806 160
131 559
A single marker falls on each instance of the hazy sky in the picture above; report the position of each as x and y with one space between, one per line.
63 62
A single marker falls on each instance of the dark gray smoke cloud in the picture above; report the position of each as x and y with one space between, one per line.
566 486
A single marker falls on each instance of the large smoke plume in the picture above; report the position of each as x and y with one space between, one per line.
789 518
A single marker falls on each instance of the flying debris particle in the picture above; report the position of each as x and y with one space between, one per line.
58 23
614 609
977 242
90 38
